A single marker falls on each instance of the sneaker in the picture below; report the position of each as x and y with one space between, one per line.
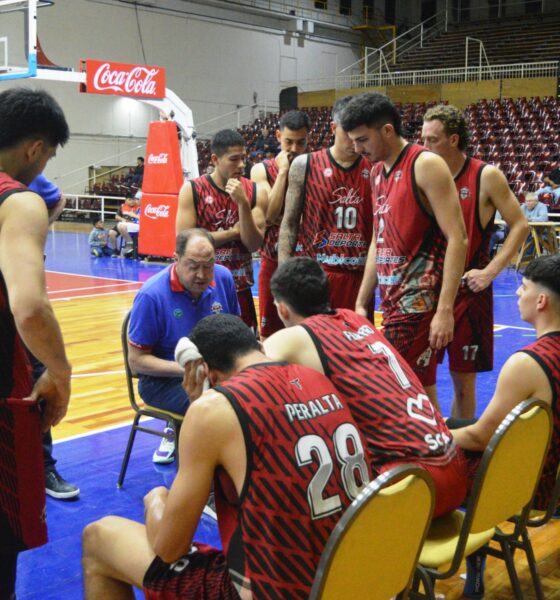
165 454
474 582
57 487
115 254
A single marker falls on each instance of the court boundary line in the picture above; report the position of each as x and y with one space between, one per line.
91 295
91 276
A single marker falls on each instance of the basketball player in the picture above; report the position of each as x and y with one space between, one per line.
32 126
533 372
328 212
418 254
232 209
272 174
265 435
482 189
384 395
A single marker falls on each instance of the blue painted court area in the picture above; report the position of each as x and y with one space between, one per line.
53 572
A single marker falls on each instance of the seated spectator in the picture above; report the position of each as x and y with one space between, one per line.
550 193
136 174
266 142
127 217
165 309
534 210
255 440
385 396
498 235
533 372
98 239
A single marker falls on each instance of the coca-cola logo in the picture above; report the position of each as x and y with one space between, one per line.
125 80
157 212
158 159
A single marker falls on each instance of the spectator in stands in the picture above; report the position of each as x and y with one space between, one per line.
136 174
166 308
266 143
127 218
550 194
498 235
98 239
533 209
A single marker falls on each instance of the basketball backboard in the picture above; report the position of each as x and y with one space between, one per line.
18 37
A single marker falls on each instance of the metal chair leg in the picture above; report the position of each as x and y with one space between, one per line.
528 548
128 450
508 558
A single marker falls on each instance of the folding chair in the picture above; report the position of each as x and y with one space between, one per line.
536 518
173 419
373 550
504 485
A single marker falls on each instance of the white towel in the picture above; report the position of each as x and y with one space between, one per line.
186 351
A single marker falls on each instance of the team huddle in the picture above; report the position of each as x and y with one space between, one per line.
289 430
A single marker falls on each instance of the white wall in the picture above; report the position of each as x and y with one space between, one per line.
213 66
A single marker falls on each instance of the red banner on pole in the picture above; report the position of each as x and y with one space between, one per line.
163 178
120 79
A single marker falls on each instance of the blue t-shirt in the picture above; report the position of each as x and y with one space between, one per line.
163 311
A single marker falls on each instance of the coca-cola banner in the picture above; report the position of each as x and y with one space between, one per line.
140 81
163 177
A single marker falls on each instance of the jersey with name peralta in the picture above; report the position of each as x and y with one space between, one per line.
336 222
306 463
410 245
216 211
269 246
385 396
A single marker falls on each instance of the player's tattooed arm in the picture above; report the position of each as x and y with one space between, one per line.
293 209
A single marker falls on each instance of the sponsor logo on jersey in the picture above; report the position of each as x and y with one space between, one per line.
157 212
209 200
217 308
177 313
321 239
327 172
398 175
297 383
464 193
424 358
346 196
365 174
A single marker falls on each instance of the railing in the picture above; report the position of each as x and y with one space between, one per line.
90 204
376 59
236 118
452 75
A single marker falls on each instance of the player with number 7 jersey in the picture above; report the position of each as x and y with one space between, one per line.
385 396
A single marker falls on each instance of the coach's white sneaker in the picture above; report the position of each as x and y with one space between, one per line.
165 454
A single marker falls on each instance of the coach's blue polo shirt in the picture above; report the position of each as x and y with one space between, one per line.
163 311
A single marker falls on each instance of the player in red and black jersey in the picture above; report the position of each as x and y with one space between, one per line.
533 372
385 397
482 189
418 253
232 209
265 435
328 214
272 174
32 125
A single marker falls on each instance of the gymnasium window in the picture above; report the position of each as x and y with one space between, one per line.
368 8
321 4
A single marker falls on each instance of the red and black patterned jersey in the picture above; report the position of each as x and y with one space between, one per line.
269 246
336 222
468 187
546 351
410 245
15 371
306 462
385 396
215 211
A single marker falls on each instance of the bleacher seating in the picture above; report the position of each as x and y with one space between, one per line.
519 40
521 136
